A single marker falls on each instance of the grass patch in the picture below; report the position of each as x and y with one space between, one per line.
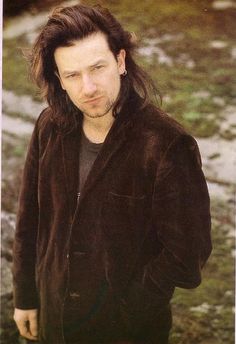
15 68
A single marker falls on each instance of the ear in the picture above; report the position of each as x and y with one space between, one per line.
61 82
121 61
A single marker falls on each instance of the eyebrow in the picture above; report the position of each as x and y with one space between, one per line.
68 72
101 61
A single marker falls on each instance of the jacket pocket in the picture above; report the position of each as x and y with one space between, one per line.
138 299
124 215
145 312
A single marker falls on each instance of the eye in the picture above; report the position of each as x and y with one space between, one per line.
98 67
70 76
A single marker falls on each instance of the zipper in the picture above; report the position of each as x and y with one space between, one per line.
78 196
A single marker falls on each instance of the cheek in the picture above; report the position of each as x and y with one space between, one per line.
72 91
117 85
113 84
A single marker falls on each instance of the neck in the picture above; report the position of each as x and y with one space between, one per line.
96 129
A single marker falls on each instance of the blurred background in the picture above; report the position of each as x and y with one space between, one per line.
189 49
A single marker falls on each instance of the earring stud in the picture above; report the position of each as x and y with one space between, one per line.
124 73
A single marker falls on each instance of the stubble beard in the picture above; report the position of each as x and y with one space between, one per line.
108 107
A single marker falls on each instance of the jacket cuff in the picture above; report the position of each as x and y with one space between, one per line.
25 299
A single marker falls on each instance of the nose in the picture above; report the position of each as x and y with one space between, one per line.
88 86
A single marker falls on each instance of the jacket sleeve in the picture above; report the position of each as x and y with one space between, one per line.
181 219
24 248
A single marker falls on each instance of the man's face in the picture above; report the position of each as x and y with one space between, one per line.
90 74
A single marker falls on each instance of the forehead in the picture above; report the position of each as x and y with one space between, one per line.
83 53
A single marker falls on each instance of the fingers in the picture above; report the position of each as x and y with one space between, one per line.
24 330
27 323
33 325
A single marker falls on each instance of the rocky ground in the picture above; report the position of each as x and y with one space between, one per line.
204 316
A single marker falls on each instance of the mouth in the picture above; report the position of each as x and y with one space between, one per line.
92 100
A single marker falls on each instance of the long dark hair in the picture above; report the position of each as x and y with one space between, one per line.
67 24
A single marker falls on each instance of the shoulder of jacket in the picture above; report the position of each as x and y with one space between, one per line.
159 122
44 124
44 119
160 131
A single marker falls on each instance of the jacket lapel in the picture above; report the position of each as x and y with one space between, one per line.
70 152
114 140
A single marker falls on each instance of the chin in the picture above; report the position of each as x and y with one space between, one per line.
95 115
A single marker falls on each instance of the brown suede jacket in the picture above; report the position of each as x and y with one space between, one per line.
144 211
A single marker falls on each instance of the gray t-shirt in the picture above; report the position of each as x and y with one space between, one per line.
88 153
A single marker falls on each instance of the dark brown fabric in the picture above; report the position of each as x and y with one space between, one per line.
143 219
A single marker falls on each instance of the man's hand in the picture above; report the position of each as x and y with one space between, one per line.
27 322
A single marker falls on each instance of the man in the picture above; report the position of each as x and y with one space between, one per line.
114 208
